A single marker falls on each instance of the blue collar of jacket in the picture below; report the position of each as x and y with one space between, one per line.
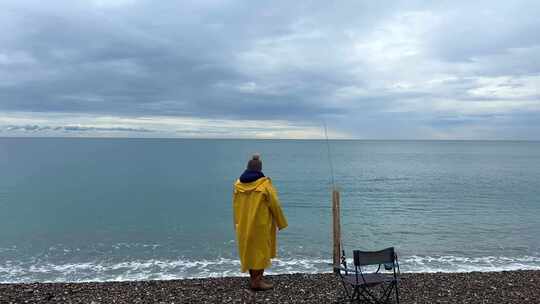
250 176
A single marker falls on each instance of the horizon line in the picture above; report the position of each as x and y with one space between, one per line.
254 138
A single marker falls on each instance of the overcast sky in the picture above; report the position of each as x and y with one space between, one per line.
270 69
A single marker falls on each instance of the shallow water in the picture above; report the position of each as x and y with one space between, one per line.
117 209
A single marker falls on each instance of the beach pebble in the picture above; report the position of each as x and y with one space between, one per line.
489 287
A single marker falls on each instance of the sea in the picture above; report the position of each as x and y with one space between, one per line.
92 209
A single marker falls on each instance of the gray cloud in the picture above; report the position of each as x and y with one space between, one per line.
38 128
406 69
115 129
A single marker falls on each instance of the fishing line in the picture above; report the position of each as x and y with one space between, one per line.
333 182
329 156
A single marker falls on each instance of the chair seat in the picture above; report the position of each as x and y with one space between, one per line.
370 279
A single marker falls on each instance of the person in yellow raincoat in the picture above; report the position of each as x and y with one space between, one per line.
257 217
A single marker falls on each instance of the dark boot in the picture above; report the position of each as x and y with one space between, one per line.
257 283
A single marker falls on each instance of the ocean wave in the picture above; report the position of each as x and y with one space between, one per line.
384 179
154 269
469 264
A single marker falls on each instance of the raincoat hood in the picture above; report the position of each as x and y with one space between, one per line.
250 176
252 186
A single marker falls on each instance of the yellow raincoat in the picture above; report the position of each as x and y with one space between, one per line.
257 216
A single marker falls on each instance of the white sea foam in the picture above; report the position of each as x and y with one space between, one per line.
469 264
152 269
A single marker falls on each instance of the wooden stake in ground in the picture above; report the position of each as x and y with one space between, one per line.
336 227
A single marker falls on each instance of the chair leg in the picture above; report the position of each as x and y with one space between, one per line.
359 296
397 293
367 297
354 295
346 298
345 287
386 292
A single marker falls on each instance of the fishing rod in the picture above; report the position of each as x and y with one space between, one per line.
338 253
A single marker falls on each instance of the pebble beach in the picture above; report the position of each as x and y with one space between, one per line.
475 287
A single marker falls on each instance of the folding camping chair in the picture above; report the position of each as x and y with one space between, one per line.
370 287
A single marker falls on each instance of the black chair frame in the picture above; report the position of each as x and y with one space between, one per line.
361 281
